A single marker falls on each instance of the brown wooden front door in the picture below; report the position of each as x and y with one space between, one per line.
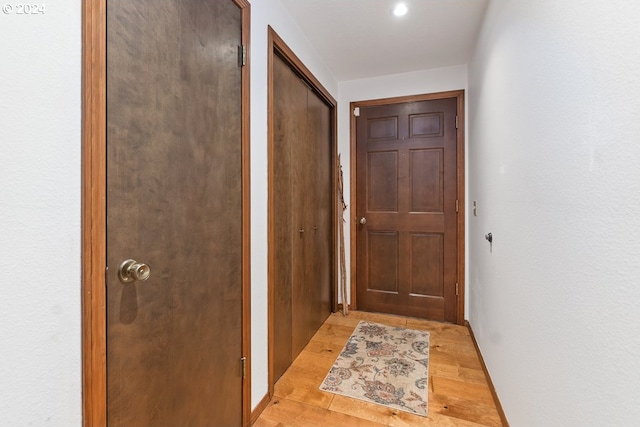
406 184
174 202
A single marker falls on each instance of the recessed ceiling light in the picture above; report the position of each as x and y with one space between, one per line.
400 9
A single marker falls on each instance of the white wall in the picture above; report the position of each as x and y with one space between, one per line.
264 13
554 157
40 373
414 83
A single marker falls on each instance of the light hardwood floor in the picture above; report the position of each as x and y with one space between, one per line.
459 394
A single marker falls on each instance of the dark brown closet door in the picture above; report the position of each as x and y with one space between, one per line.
174 203
284 132
322 221
302 214
303 166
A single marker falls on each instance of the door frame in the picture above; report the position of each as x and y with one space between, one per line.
460 187
276 45
94 230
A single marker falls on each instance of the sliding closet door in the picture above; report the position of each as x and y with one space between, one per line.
303 205
284 132
302 214
319 120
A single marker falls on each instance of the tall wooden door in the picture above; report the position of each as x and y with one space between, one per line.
302 214
319 117
406 255
174 205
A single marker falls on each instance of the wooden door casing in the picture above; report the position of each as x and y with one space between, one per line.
406 174
174 201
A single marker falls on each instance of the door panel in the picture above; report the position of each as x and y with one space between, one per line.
406 184
383 255
426 180
174 201
426 254
303 285
382 177
283 126
320 122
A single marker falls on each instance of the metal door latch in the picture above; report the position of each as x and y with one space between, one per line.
132 270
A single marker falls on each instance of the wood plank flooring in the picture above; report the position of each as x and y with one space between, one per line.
459 393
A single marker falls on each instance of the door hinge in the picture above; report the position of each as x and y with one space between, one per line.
457 289
456 122
356 111
242 55
457 205
244 366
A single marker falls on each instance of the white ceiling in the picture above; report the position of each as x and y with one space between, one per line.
362 38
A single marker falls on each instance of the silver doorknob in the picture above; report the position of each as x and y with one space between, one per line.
363 220
132 270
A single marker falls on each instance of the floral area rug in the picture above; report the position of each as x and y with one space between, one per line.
383 364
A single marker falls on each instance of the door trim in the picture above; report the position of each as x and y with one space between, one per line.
460 190
94 231
276 45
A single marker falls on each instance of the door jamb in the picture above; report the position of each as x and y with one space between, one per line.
277 45
460 153
93 284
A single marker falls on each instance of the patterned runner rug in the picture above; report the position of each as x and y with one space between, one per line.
383 364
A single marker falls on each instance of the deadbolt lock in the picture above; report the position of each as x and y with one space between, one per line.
132 270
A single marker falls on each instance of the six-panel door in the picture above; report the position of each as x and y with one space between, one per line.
406 209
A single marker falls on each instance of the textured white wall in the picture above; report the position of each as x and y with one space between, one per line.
40 371
554 157
264 13
414 83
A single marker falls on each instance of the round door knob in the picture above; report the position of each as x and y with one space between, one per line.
132 270
363 220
